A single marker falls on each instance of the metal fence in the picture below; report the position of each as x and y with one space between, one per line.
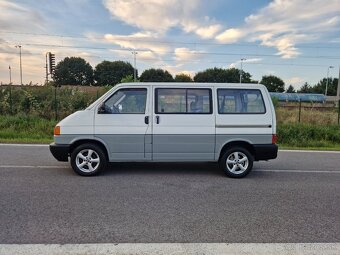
308 112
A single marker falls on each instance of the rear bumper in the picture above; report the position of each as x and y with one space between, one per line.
60 151
265 151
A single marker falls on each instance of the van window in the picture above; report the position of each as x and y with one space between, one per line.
183 101
127 101
247 101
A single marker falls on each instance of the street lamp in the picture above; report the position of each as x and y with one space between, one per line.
242 59
19 46
134 53
328 78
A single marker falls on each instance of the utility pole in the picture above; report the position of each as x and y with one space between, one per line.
10 90
19 46
10 75
134 53
338 90
242 59
328 78
46 67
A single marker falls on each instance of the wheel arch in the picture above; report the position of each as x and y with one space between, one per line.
99 143
238 143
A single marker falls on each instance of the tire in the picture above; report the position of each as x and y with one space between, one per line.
236 162
88 159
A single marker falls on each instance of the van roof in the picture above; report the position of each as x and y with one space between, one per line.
196 84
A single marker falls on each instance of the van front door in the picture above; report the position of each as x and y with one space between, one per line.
183 124
122 122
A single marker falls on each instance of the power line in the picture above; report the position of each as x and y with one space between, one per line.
131 39
172 52
191 61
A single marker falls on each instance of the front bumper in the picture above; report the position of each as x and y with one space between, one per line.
60 151
265 151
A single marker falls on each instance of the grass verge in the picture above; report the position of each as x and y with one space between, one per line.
26 129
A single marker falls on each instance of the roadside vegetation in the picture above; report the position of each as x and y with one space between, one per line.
26 129
28 115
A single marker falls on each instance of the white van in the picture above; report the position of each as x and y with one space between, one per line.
233 124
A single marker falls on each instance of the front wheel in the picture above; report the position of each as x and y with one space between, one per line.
88 159
236 162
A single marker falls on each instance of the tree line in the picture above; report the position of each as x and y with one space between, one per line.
76 71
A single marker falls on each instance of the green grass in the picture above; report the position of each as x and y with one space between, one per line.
32 129
26 129
308 136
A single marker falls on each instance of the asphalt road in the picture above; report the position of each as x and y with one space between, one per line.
295 198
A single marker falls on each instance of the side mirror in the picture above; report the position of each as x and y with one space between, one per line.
101 109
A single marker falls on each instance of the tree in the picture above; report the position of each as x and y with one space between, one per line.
290 89
73 71
128 78
112 72
154 75
320 87
220 75
183 78
273 83
234 76
211 75
306 88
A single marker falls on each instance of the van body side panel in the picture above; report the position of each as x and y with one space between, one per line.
69 139
223 139
124 146
184 147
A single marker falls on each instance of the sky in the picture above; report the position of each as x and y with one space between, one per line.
296 40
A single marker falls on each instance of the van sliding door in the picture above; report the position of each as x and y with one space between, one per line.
183 124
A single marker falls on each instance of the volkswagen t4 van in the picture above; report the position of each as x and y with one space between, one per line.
232 124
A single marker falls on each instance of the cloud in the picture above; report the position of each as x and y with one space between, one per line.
159 16
185 54
209 31
285 23
138 41
19 18
231 35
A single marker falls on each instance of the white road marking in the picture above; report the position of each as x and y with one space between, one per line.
23 145
255 170
307 151
13 166
172 248
297 171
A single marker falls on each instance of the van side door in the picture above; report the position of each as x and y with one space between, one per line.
123 124
183 124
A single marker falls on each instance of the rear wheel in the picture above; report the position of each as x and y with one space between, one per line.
236 162
88 159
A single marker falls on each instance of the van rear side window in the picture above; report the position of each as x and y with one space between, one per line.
240 101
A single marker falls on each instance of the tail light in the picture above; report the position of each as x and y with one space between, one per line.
274 139
57 130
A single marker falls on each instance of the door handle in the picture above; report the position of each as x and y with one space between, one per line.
157 119
146 120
